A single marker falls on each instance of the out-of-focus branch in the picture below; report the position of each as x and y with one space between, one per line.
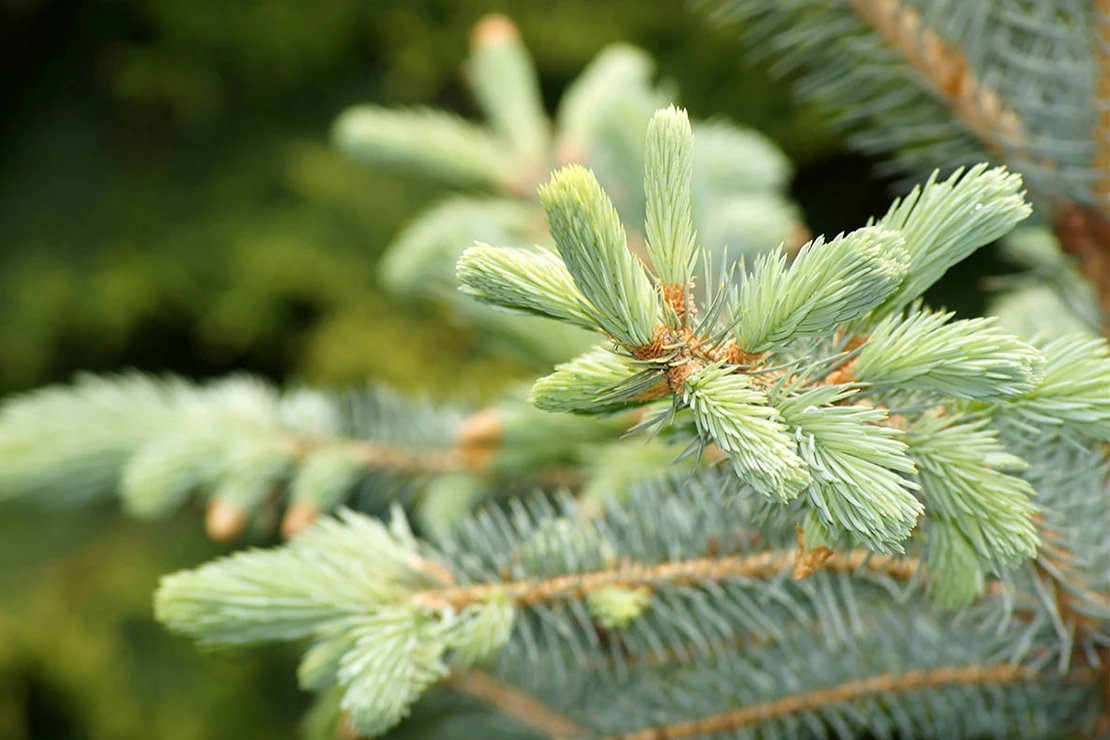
946 68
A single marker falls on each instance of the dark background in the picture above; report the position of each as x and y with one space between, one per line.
169 202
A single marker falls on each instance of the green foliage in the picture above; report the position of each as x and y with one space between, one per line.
602 121
737 417
827 284
516 278
969 358
683 567
645 589
669 225
715 627
860 468
383 650
590 239
771 401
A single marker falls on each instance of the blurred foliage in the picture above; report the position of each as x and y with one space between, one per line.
176 206
80 656
168 202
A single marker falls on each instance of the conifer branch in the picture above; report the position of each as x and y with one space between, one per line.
781 429
946 69
1021 82
246 446
886 684
676 573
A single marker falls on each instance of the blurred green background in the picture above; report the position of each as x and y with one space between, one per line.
169 202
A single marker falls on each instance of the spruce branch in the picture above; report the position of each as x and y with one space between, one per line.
1021 83
849 672
814 701
856 476
947 71
410 594
242 444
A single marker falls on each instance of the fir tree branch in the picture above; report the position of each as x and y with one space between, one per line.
248 447
891 683
995 70
946 69
631 575
515 703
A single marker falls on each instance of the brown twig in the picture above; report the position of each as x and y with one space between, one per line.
631 575
515 703
929 678
808 561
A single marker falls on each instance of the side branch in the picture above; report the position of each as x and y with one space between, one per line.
930 678
1084 233
946 68
682 572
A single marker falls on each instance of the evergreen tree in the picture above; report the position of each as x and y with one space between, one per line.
762 493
